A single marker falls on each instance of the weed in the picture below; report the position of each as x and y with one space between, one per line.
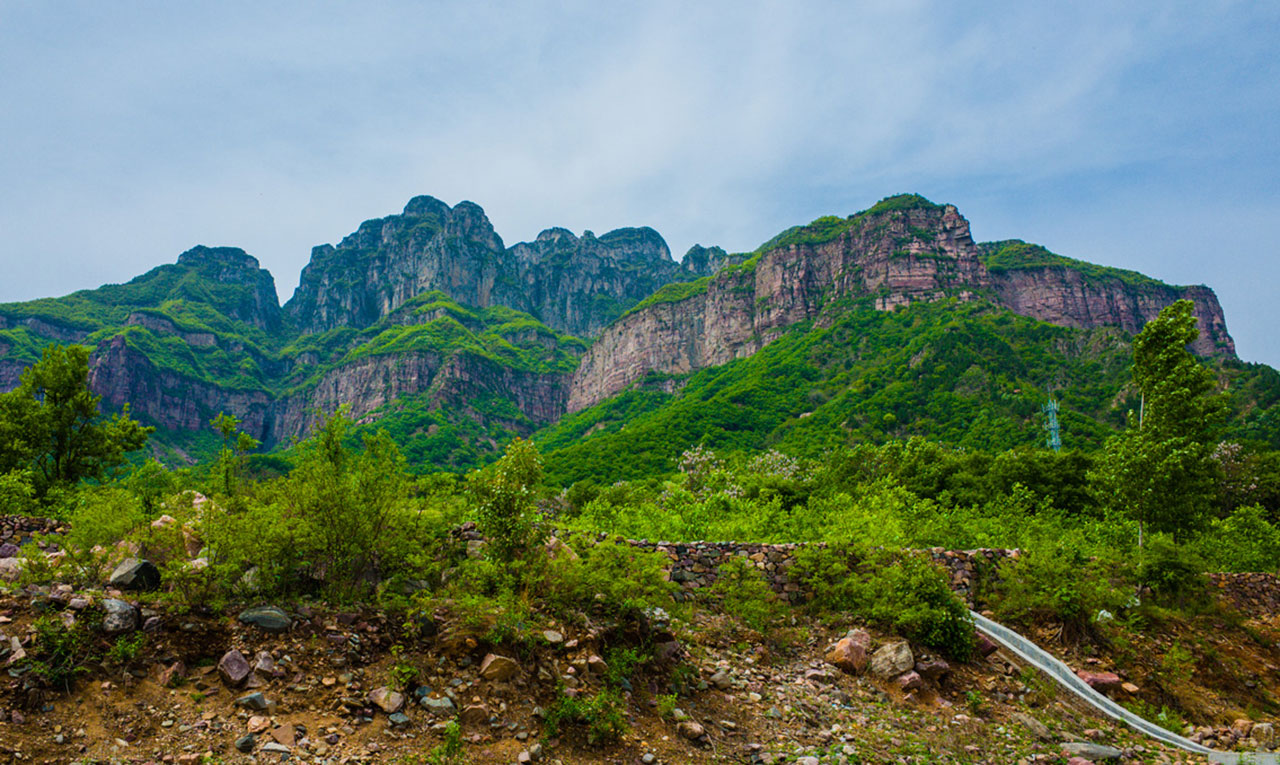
403 674
603 715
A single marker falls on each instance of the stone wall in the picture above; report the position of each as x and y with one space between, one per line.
695 564
18 530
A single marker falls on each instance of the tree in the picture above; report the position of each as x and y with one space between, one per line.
1160 470
505 496
51 424
235 445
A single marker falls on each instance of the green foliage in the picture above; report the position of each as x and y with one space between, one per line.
1161 469
615 579
961 374
51 425
1173 573
671 293
103 516
1056 582
402 673
125 648
61 651
235 446
450 752
1245 540
1017 255
1165 717
897 590
603 715
504 496
741 591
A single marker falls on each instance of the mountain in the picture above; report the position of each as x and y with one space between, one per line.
573 284
901 251
426 323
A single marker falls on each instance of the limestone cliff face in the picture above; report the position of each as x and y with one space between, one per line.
574 284
1060 295
893 258
174 401
254 302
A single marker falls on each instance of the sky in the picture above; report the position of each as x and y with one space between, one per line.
1144 135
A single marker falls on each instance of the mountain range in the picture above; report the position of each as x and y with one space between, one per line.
892 321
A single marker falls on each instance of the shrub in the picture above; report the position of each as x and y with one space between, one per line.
61 650
608 577
1057 582
1173 573
741 590
603 715
504 496
901 591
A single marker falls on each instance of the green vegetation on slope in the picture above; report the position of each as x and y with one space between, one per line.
963 373
1016 255
829 227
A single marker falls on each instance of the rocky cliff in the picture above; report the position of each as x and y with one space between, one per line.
574 284
903 250
427 305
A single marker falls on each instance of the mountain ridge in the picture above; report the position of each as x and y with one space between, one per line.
429 318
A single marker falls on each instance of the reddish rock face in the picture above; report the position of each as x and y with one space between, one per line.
899 257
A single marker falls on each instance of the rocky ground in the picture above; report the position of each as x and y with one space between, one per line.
312 684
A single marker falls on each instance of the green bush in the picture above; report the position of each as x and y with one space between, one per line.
615 579
741 591
902 591
504 495
60 651
1057 582
1173 573
604 716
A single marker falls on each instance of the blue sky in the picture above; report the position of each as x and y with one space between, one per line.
1142 135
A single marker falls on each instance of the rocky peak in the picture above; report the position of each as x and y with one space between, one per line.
702 261
258 304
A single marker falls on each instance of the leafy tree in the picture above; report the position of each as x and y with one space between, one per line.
1161 469
52 425
235 445
505 498
345 500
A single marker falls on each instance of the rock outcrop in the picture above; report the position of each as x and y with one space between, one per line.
893 257
574 284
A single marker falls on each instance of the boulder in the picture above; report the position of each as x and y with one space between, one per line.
1100 681
892 660
498 668
10 569
246 743
233 668
933 670
135 574
267 618
119 617
850 652
474 715
387 700
9 550
1264 733
691 730
909 681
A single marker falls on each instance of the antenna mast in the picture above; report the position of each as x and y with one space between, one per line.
1054 440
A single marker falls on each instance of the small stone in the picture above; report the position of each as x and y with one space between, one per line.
474 714
233 668
909 681
1100 681
1037 728
849 654
722 680
254 701
266 618
441 706
246 743
1090 752
387 700
552 637
258 724
498 668
691 730
120 617
398 719
892 659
